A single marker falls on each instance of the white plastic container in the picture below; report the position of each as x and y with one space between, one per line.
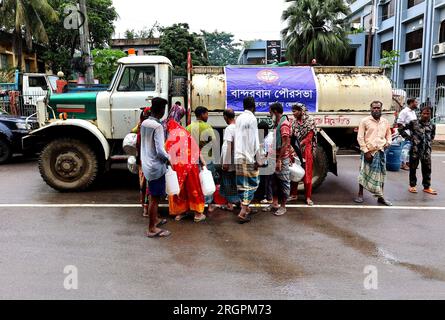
129 144
207 184
171 182
296 172
132 165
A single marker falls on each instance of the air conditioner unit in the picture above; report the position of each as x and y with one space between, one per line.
439 49
414 55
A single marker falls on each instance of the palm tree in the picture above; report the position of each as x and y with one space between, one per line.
316 29
24 17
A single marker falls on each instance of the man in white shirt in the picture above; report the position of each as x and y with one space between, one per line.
407 115
228 177
247 151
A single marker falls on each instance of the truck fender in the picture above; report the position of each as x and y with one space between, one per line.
331 150
77 123
5 132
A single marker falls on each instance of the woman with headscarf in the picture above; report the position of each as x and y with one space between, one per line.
185 156
304 129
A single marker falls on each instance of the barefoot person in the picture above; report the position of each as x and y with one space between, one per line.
374 136
247 151
421 134
154 159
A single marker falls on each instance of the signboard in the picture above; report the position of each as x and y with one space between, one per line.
273 51
287 85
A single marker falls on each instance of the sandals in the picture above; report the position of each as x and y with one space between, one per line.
202 218
226 208
412 189
180 217
242 220
309 202
160 234
359 200
384 201
430 191
161 223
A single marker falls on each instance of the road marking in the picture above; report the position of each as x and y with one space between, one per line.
130 205
440 155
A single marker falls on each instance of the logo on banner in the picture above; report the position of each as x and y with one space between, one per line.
268 76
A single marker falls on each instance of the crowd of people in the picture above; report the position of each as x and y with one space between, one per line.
245 161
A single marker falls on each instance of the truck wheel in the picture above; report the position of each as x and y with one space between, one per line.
321 167
68 165
5 151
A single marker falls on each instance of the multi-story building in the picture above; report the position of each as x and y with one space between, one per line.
31 62
414 28
142 47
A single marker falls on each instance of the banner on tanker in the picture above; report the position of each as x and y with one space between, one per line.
287 85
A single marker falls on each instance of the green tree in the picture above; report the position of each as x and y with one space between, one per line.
389 60
221 48
176 41
25 19
105 63
316 29
145 33
63 43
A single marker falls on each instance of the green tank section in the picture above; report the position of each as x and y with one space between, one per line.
76 105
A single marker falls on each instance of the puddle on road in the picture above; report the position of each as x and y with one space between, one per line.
364 246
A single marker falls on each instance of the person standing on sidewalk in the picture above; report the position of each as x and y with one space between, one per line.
407 115
281 177
421 134
154 159
374 136
247 153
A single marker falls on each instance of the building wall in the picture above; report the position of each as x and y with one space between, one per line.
9 60
427 15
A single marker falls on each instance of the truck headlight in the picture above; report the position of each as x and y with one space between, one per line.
23 126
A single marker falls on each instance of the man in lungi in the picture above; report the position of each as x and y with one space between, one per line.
374 136
247 153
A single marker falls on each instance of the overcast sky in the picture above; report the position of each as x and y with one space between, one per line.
246 19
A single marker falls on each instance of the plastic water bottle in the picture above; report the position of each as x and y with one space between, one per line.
171 182
207 184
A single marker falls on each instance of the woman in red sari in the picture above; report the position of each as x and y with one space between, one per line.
304 129
185 156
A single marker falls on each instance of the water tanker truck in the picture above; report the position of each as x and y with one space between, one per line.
81 133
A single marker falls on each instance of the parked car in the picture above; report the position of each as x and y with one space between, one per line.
12 129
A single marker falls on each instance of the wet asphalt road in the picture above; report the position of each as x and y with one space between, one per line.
310 253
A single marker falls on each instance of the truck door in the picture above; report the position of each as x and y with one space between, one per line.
34 86
135 89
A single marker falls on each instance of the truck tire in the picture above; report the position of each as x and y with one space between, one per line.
68 165
5 151
321 167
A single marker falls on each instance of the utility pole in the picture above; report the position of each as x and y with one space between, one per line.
370 35
84 33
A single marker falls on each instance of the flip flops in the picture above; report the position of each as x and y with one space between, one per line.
160 234
161 223
242 220
412 189
384 202
202 218
359 200
430 191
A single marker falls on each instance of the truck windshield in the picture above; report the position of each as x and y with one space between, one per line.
53 82
114 78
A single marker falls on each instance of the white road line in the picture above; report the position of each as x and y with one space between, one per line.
327 206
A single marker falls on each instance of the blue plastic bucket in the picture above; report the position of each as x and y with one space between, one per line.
393 155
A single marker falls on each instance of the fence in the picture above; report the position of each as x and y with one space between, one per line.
15 103
434 96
